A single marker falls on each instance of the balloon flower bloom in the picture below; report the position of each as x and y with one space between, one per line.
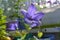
11 26
32 16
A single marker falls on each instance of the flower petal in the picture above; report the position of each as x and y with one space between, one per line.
24 12
11 26
39 16
31 10
34 23
28 21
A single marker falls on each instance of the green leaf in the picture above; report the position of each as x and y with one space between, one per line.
27 27
3 17
2 33
1 11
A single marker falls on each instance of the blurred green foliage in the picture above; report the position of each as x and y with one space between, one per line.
2 23
12 8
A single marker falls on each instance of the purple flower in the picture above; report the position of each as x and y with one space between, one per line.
32 16
12 26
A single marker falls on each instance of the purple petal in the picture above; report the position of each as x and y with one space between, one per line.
31 10
12 26
32 23
28 21
39 16
35 23
24 12
27 16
